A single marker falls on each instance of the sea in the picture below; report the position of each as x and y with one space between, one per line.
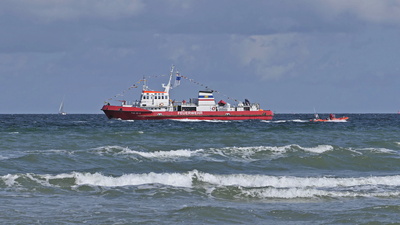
87 169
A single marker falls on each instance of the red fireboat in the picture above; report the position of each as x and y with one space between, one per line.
157 105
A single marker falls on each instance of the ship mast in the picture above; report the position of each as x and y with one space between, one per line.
145 87
168 86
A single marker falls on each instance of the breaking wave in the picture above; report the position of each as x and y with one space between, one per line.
292 193
280 149
249 153
149 154
228 185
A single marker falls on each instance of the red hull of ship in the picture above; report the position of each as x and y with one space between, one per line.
134 113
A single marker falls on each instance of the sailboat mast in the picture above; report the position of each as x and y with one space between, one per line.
61 109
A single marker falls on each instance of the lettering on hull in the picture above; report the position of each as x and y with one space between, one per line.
190 113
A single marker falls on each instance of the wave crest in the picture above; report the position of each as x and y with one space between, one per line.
236 185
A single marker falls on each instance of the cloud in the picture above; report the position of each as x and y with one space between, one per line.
65 10
272 56
376 11
269 17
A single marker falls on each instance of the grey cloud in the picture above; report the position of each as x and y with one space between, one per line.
108 45
375 11
66 10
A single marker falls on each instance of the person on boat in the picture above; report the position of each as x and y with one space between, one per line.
331 116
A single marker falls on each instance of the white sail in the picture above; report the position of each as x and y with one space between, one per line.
61 109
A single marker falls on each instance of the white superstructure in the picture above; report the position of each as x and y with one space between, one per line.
161 101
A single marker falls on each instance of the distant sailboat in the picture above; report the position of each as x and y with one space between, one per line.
61 109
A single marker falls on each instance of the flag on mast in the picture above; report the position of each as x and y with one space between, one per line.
177 80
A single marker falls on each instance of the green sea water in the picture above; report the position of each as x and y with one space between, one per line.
88 169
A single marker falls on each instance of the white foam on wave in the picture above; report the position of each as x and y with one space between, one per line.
284 187
80 121
278 121
376 150
163 154
186 120
249 151
249 185
51 151
318 149
155 154
254 181
381 150
289 193
300 121
98 179
238 153
197 120
219 121
336 121
9 179
39 179
285 121
110 149
292 193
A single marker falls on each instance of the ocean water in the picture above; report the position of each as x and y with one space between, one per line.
78 169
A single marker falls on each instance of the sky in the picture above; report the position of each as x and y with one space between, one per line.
291 56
